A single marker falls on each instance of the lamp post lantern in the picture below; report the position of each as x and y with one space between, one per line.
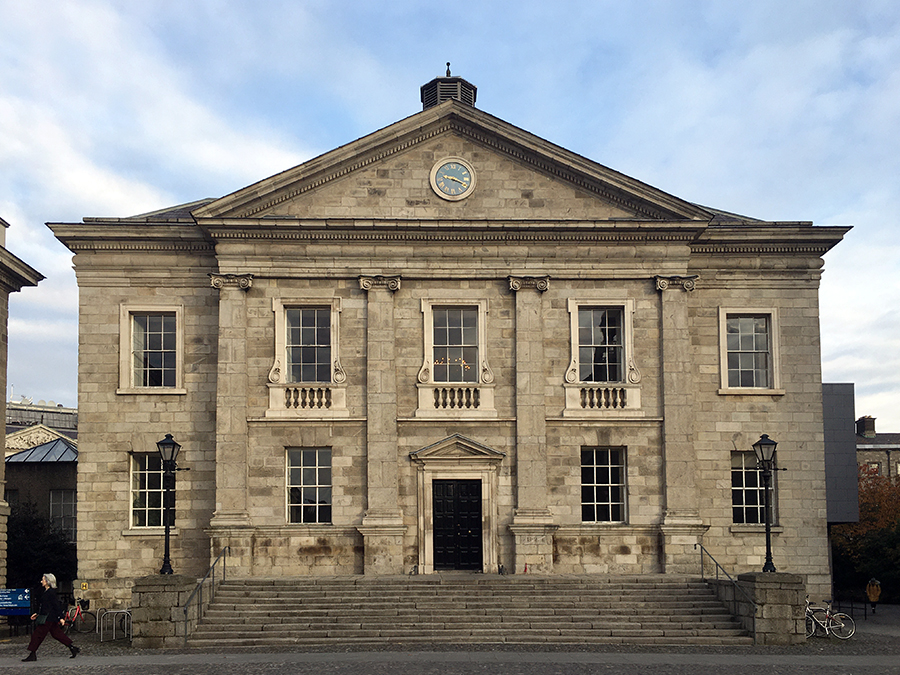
168 452
765 455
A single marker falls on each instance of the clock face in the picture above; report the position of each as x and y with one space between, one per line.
453 178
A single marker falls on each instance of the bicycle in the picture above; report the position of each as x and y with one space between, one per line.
821 621
78 616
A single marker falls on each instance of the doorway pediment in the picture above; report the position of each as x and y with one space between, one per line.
457 449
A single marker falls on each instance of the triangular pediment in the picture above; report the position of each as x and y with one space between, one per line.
456 448
33 436
386 175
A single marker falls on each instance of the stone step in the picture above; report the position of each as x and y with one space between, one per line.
468 609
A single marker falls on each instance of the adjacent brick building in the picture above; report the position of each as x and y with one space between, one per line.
450 344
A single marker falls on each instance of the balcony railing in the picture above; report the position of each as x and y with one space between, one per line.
590 399
307 400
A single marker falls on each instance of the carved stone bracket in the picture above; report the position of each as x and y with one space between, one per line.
391 283
241 281
688 283
540 284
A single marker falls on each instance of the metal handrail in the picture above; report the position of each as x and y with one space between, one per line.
733 583
199 590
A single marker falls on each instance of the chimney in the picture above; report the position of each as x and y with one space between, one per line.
865 427
442 89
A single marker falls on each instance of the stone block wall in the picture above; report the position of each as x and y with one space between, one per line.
158 618
771 605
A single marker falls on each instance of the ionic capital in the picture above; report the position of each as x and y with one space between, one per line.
540 284
687 283
391 283
241 281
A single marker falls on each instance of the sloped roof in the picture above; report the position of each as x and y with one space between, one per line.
879 441
58 450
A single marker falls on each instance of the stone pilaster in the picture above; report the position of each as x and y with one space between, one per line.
382 527
682 526
231 402
532 525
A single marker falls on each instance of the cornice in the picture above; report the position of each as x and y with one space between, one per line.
15 274
454 232
751 249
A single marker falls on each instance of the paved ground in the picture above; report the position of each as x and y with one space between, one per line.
875 649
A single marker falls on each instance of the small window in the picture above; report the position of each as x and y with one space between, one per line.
603 485
309 485
747 490
151 346
62 511
600 344
455 331
146 491
749 351
308 344
153 350
749 360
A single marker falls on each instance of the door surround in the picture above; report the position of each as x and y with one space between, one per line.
457 458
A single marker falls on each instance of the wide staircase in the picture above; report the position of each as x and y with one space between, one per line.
466 609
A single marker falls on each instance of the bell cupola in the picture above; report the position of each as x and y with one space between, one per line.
442 89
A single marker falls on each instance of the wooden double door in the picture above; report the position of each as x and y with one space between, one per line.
457 525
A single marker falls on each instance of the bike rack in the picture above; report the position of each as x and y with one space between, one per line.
114 614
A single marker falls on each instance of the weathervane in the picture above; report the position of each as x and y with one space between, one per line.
448 69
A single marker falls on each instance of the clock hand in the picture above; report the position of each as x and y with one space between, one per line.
454 178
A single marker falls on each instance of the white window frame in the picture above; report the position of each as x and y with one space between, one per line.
775 385
621 485
306 399
316 485
455 399
127 384
749 463
603 399
134 470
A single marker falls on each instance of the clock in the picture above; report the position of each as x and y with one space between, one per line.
453 178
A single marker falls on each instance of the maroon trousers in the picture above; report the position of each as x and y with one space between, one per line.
40 632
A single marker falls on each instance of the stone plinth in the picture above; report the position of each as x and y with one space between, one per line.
156 610
779 616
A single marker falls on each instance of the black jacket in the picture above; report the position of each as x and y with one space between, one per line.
50 606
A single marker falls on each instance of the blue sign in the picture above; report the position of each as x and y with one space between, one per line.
15 601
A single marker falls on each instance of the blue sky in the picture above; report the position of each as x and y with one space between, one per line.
780 110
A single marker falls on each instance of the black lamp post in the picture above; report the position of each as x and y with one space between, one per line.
168 452
765 455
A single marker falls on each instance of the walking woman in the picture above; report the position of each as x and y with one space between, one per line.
49 620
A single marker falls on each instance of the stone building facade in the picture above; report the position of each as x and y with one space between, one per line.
449 344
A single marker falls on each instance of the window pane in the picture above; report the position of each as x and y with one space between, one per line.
455 340
308 346
747 489
309 485
603 490
747 346
154 354
146 491
600 344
